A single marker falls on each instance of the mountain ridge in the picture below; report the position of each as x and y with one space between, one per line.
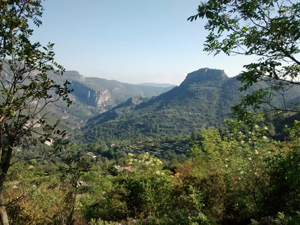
93 95
203 99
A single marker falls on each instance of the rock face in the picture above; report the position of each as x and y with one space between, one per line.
204 76
100 99
103 99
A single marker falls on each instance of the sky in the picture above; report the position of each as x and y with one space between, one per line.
132 41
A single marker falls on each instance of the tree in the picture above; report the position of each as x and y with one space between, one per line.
268 29
26 90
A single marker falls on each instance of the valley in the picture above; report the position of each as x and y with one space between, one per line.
107 110
214 150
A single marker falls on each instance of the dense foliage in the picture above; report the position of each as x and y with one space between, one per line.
235 175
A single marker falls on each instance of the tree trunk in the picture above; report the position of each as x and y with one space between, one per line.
4 166
71 221
3 212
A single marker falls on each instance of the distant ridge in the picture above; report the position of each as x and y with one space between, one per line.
93 95
165 85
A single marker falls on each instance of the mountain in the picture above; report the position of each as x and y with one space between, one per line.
203 99
92 95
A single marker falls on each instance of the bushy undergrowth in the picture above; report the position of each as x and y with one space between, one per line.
240 177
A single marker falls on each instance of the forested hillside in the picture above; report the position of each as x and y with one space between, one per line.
202 100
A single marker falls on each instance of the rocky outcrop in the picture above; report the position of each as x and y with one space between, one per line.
205 76
103 100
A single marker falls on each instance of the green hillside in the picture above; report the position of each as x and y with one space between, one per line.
202 100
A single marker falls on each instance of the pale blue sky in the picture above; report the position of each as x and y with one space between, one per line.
131 41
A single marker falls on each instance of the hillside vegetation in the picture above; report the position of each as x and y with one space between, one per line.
202 100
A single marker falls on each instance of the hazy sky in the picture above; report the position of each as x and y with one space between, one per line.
131 41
